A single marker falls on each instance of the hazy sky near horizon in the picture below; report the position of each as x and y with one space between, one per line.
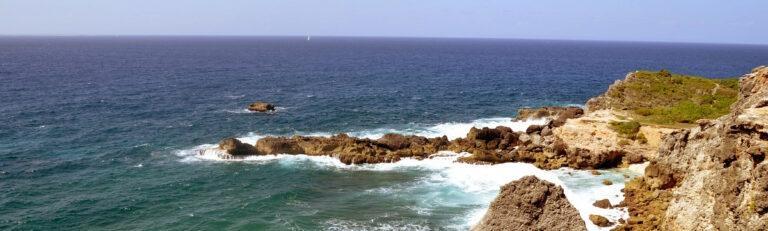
648 20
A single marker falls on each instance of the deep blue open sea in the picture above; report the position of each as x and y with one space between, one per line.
101 132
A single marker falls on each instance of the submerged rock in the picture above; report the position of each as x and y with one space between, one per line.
261 107
531 204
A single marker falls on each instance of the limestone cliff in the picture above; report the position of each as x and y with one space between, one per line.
710 177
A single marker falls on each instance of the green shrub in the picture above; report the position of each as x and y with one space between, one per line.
626 129
666 98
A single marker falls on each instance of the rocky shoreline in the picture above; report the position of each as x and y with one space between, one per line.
540 145
704 177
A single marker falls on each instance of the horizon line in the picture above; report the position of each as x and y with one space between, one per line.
382 36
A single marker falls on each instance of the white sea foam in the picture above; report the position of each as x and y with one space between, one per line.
448 183
452 130
470 184
235 96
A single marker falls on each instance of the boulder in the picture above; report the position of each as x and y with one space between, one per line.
261 107
600 221
531 204
533 129
603 204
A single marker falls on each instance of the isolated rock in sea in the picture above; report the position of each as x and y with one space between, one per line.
261 107
710 177
531 204
234 147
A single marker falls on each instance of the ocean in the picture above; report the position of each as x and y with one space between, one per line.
102 133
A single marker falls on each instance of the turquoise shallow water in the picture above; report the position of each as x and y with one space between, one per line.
96 132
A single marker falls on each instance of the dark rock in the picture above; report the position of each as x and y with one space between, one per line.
533 129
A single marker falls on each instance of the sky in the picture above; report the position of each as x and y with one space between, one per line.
702 21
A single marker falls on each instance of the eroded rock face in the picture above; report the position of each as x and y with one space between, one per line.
261 107
711 177
531 204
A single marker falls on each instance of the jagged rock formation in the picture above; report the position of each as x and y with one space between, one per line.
348 149
711 177
570 139
531 204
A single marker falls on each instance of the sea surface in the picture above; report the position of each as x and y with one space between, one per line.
103 133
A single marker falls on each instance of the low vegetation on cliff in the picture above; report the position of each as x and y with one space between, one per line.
660 97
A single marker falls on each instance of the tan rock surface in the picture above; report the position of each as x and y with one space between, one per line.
531 204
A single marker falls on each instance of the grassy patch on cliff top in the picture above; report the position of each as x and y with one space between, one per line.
665 98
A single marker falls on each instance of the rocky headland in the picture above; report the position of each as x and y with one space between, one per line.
712 176
705 140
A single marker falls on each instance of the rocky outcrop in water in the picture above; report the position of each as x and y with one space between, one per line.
531 204
261 107
711 177
349 150
541 145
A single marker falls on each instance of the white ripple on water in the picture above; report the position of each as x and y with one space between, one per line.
246 111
